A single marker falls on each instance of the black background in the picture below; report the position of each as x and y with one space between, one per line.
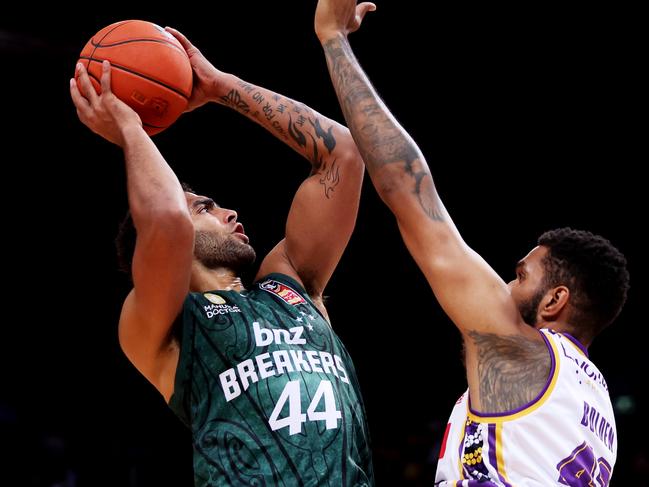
529 119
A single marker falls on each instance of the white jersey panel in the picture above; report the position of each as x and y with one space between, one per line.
566 436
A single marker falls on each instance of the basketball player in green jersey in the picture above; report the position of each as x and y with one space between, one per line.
258 375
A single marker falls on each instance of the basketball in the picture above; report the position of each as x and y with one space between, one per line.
150 70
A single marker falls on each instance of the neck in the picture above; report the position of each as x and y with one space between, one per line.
563 327
223 279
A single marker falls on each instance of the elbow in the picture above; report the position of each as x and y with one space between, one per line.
388 187
350 158
168 209
175 222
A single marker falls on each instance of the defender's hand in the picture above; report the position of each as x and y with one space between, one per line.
104 114
333 17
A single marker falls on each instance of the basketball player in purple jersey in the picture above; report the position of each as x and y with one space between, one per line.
537 410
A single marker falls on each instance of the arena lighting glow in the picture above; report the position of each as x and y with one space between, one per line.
624 404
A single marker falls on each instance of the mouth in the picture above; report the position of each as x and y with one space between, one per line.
239 232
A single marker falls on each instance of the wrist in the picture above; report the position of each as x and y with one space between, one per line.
325 36
130 133
220 86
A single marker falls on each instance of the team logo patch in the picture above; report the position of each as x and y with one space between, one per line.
214 298
282 291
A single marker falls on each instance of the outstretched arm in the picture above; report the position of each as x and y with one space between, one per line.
471 293
165 234
324 209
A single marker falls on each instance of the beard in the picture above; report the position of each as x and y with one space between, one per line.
530 307
216 250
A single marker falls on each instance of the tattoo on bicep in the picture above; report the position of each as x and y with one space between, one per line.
330 178
233 99
512 370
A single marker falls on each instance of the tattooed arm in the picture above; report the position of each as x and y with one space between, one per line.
325 206
471 293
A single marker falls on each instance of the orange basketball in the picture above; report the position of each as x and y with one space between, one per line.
150 70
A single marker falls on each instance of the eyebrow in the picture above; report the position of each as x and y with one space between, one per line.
204 201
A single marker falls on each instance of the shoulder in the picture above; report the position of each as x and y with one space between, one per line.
290 290
512 369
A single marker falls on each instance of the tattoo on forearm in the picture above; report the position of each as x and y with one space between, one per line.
327 137
268 108
247 87
316 159
331 178
233 99
328 140
278 127
512 370
295 133
380 139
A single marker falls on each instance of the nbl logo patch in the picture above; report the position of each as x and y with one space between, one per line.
282 291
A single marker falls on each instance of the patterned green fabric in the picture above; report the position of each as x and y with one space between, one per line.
269 391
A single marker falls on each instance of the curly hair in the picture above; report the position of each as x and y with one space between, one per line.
594 271
126 236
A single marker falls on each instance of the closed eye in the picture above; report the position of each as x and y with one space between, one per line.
204 205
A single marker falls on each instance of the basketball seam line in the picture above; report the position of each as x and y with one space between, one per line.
142 39
105 35
123 68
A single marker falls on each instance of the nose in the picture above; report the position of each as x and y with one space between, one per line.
229 216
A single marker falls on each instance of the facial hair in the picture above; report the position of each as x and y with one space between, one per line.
530 307
217 250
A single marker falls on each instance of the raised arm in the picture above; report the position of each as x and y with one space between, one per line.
471 293
325 206
165 234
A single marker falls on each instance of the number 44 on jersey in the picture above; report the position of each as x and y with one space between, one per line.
296 417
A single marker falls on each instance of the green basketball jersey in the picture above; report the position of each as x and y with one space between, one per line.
269 391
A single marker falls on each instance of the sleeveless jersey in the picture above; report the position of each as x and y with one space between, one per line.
566 436
269 391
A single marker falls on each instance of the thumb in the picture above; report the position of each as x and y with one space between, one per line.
363 8
181 38
105 77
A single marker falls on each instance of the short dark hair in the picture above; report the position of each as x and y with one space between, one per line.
594 271
126 236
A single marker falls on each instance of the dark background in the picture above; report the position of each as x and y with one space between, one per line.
529 119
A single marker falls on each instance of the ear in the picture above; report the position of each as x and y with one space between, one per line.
554 302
